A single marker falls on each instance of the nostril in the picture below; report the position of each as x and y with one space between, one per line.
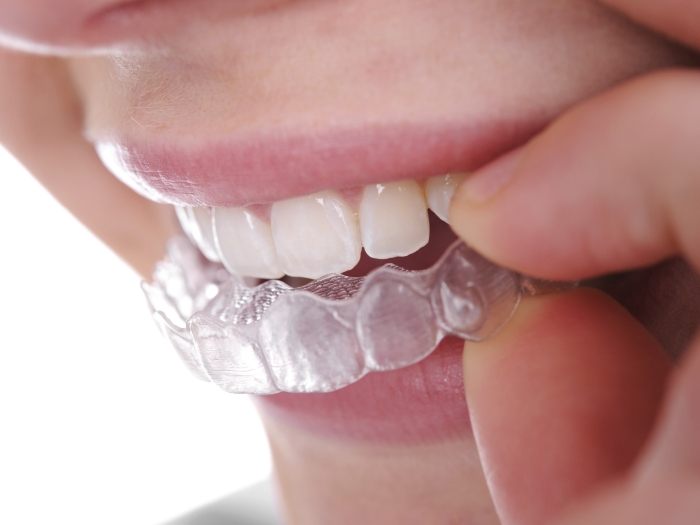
117 10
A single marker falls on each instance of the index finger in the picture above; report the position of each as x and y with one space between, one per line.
614 184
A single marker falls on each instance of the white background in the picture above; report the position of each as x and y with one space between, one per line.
100 422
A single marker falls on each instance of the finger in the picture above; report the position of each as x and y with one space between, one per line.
666 483
664 503
560 401
613 184
678 19
675 452
40 123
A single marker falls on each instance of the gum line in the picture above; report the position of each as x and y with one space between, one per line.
328 334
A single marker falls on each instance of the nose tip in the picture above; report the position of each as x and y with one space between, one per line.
91 25
45 25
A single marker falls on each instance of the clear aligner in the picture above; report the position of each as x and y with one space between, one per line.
331 332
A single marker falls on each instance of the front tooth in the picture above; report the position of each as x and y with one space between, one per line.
204 232
393 219
440 191
315 235
245 243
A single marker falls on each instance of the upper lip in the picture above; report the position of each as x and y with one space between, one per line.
264 168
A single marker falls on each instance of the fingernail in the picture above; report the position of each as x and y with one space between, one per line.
488 181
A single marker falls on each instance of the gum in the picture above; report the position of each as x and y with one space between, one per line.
331 332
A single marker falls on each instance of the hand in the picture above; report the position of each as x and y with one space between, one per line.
579 415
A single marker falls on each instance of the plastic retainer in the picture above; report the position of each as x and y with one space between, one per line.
331 332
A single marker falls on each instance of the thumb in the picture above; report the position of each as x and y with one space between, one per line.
561 401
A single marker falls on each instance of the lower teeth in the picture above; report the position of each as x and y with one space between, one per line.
330 332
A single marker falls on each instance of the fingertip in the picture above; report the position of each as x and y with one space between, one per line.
498 211
485 185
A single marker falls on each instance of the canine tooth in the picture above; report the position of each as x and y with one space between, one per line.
204 232
440 190
245 244
315 235
393 219
184 215
196 223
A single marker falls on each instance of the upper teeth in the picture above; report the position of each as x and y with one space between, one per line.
245 243
440 190
318 234
315 235
394 219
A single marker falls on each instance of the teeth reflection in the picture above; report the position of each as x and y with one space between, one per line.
236 367
323 352
413 325
393 219
245 244
331 332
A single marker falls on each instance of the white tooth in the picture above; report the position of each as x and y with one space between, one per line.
191 226
203 232
184 215
393 219
315 235
440 191
245 244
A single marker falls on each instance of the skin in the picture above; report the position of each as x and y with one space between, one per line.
640 193
575 374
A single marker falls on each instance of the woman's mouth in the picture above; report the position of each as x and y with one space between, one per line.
326 336
311 339
308 205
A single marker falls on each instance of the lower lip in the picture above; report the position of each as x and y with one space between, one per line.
421 403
